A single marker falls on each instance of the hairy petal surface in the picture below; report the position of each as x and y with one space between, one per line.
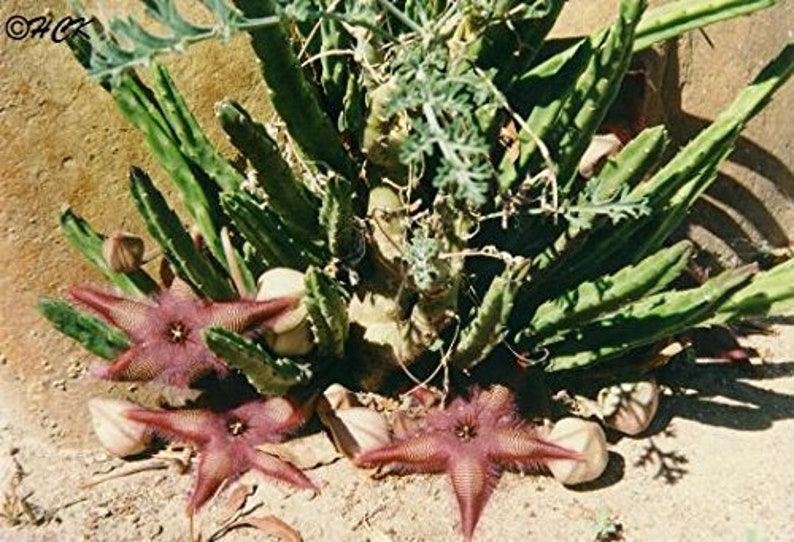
193 425
274 467
127 314
472 481
521 448
422 453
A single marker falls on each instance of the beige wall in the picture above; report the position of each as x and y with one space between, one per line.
64 143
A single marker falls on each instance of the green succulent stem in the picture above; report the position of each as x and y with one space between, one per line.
595 90
490 324
198 269
327 312
645 322
267 233
92 333
193 143
286 195
604 294
672 19
292 94
268 374
338 219
142 108
771 293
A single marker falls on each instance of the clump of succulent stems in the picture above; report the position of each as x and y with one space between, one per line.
433 194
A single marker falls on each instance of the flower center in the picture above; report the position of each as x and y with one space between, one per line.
466 431
236 427
177 332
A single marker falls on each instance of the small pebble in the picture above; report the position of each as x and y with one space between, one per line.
74 370
153 530
101 457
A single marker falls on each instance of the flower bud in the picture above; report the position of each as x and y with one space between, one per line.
290 334
388 225
123 252
119 435
295 342
600 149
354 428
588 439
629 407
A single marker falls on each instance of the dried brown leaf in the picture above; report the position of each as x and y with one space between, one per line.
275 527
236 501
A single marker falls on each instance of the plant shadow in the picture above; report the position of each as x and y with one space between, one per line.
614 473
718 394
727 395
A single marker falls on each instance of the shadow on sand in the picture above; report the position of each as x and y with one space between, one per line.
727 395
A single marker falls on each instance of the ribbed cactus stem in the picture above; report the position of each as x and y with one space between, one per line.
579 305
489 326
335 67
338 219
140 106
95 335
672 19
546 87
292 94
286 195
165 227
595 90
327 312
631 165
269 375
267 233
771 293
192 140
646 321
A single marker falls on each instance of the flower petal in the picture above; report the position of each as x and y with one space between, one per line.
127 314
473 484
281 470
198 426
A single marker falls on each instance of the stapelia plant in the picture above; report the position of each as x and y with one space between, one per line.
434 183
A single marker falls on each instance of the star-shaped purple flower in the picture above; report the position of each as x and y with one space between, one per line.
166 331
226 441
472 441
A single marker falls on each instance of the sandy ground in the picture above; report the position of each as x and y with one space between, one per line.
724 439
